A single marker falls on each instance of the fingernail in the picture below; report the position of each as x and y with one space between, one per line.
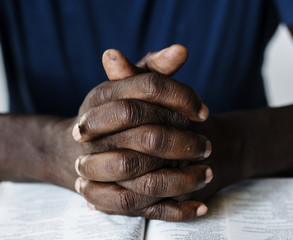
77 185
112 56
91 206
203 112
209 175
75 133
208 150
202 210
76 165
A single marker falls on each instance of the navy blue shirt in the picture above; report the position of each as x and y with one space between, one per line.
52 49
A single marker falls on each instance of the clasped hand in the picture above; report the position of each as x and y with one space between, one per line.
140 150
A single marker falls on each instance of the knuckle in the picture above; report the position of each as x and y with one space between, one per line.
177 215
162 212
154 140
126 201
154 84
100 94
131 111
154 212
154 185
127 166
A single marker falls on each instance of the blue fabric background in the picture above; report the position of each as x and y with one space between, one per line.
53 49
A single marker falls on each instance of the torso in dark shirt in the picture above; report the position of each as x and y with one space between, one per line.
53 49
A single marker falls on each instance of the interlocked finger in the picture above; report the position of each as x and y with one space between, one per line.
170 182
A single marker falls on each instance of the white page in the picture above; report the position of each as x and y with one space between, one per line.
253 209
43 211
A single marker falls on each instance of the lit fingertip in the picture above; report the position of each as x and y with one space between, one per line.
203 113
201 210
76 165
91 206
179 48
208 149
76 133
78 184
209 175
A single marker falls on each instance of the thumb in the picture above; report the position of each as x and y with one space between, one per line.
117 66
166 61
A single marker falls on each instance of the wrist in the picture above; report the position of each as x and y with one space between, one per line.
61 153
229 148
249 144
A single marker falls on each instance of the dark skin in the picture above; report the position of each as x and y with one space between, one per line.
155 166
51 158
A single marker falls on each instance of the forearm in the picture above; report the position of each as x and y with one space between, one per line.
252 143
32 149
269 142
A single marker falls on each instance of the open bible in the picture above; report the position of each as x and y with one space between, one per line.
253 209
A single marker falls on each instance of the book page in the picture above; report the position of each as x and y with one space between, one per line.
254 209
43 211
